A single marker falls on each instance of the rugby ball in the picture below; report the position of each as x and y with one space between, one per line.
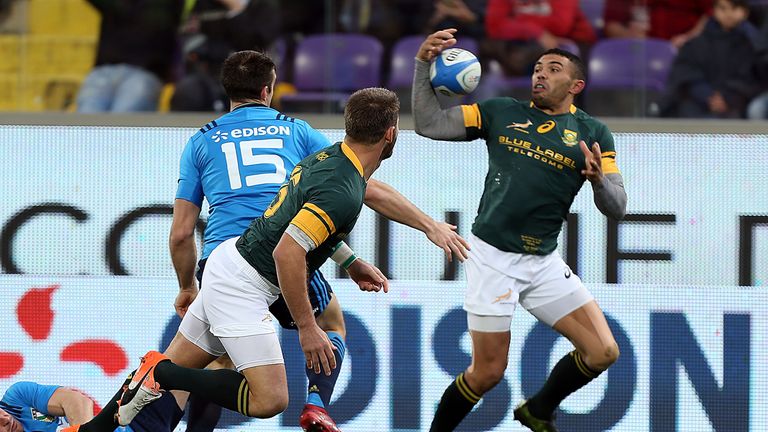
455 72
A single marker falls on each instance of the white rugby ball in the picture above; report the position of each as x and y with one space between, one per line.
455 72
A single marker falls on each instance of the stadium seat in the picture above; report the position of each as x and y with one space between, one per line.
328 68
627 76
593 10
402 63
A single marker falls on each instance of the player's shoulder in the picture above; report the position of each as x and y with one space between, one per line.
503 102
583 116
587 120
20 387
324 158
293 121
332 163
25 391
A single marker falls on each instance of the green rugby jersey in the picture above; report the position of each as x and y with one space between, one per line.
322 198
534 170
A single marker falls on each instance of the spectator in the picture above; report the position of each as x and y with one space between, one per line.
215 29
522 29
675 20
386 20
758 107
468 17
232 22
700 87
626 19
137 43
200 89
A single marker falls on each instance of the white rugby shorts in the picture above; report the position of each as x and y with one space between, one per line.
497 281
231 311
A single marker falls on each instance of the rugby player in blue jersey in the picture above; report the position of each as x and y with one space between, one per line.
31 407
28 406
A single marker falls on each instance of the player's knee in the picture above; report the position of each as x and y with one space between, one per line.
485 378
267 407
332 320
603 359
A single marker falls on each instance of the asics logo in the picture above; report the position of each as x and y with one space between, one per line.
504 296
219 136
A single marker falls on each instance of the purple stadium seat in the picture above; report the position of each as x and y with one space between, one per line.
628 76
328 68
593 10
630 63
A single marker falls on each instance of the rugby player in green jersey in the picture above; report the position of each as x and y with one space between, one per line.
311 214
538 160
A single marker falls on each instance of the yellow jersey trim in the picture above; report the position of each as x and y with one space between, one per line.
323 215
472 116
312 225
608 163
352 157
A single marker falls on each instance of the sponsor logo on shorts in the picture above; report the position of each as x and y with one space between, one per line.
267 318
567 272
504 296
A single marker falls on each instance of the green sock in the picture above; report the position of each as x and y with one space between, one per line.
457 401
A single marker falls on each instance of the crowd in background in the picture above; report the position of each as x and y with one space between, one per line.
720 71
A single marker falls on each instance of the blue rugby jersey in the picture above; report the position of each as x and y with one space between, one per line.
238 162
28 403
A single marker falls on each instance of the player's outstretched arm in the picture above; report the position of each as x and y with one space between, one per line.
388 202
608 189
430 120
73 405
184 252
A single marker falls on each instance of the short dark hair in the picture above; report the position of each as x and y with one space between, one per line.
369 113
579 69
245 73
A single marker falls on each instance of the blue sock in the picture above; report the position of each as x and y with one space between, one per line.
320 385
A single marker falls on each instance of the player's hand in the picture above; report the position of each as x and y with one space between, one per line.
593 161
318 349
367 276
184 298
435 43
444 236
